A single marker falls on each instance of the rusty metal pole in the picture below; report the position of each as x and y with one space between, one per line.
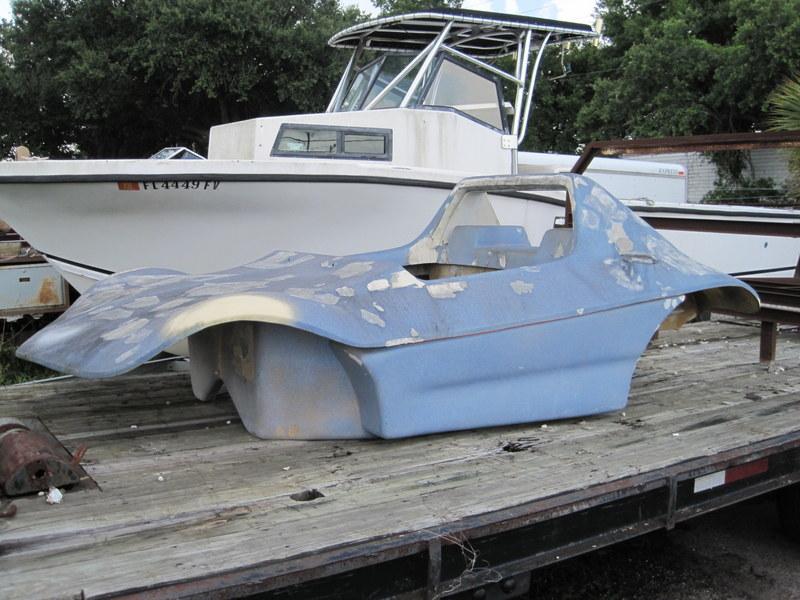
690 143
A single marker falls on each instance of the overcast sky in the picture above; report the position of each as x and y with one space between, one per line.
579 11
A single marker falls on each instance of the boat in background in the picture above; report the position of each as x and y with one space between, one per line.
419 107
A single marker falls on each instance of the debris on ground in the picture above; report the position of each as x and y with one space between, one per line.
54 496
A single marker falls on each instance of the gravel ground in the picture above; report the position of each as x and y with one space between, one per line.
735 553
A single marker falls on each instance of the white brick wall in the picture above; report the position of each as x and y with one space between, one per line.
702 173
772 163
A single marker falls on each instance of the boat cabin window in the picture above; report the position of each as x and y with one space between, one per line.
364 143
297 139
467 91
333 142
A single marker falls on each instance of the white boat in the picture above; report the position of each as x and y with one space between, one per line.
419 107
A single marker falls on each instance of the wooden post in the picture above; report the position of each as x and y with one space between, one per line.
769 339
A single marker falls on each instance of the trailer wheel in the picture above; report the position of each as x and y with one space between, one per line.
789 511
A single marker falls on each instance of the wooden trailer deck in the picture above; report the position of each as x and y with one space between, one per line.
189 504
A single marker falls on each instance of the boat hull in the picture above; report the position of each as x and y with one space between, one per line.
196 222
89 230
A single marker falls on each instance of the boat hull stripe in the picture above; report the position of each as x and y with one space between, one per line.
76 264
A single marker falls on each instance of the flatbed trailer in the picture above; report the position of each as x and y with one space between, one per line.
182 502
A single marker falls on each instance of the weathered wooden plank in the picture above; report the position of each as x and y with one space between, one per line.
440 506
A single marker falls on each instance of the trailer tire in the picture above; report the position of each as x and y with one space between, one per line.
789 511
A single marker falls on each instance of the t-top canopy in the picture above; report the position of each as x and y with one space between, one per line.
477 33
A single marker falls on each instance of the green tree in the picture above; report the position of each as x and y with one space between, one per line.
785 106
73 82
396 7
691 66
785 115
562 88
670 67
125 77
246 57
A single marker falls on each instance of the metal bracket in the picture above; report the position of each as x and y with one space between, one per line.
508 142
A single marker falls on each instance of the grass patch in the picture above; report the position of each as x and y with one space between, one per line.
13 369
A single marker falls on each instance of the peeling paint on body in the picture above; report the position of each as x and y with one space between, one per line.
590 218
521 287
345 292
313 294
675 258
620 239
353 269
403 341
378 285
125 329
126 355
216 289
445 290
143 302
403 278
623 278
280 260
114 314
372 318
167 306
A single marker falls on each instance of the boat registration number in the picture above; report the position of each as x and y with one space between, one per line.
135 186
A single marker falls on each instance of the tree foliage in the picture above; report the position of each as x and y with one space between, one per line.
785 115
785 106
113 78
394 7
671 67
562 89
125 77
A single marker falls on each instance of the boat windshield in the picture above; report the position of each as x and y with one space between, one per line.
373 78
452 85
450 58
360 85
467 91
